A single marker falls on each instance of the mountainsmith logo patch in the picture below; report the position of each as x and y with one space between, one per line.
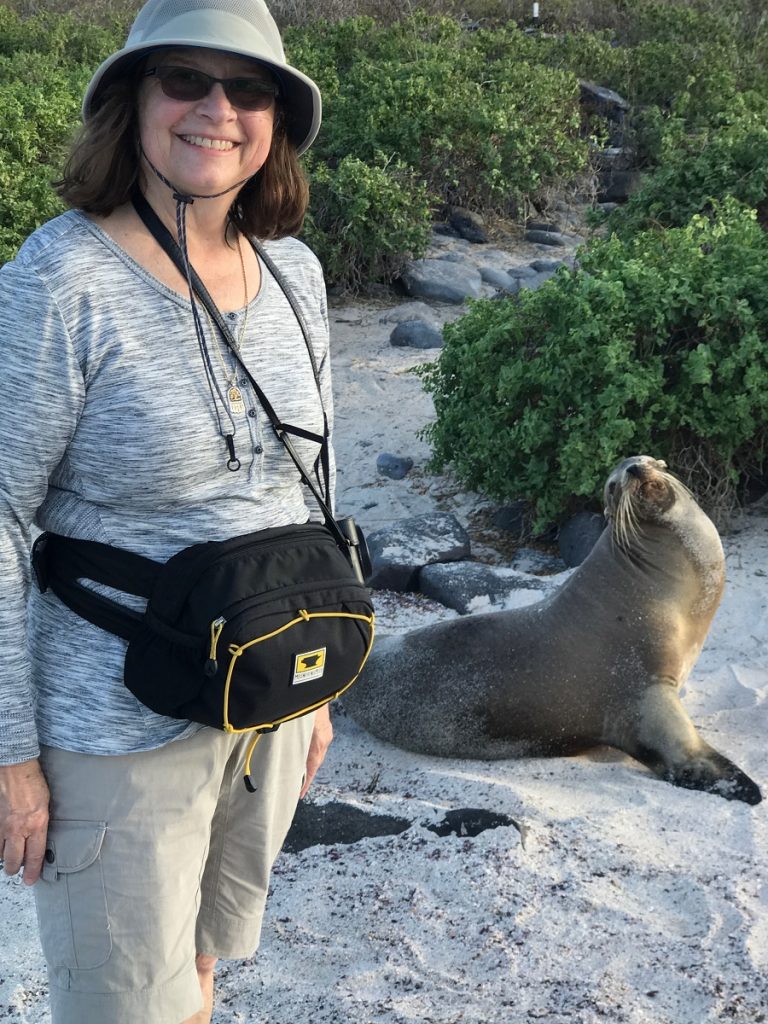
309 665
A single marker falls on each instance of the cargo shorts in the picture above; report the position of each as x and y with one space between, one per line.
154 857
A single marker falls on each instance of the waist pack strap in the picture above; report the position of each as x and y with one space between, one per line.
60 563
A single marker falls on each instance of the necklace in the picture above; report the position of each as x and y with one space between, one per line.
234 394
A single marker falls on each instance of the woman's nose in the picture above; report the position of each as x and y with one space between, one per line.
216 103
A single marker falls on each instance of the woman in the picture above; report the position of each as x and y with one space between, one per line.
127 421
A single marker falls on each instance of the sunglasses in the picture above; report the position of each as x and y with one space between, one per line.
188 85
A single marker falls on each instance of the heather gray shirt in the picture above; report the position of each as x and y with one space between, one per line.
109 433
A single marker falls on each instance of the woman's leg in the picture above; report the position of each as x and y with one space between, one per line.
205 967
120 891
247 833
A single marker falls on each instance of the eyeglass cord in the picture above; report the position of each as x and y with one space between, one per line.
183 200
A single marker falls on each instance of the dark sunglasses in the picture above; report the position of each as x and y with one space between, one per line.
188 85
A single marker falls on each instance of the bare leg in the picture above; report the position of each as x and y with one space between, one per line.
205 965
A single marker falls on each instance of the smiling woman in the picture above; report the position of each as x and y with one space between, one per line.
145 428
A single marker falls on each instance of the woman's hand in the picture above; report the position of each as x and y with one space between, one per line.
23 819
318 745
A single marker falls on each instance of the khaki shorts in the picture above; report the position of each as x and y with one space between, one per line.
154 857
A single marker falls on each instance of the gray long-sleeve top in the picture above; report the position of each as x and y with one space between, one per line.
109 433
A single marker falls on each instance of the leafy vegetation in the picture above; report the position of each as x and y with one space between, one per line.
366 220
653 345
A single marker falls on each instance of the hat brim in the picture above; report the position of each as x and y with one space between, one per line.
299 95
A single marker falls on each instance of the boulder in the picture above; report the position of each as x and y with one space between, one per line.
546 237
399 551
499 279
396 467
444 282
469 225
578 536
471 586
416 334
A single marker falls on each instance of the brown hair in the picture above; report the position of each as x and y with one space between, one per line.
104 165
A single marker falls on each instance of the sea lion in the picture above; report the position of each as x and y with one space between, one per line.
601 661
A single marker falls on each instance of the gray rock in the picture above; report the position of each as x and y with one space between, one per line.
444 282
499 279
615 158
617 186
578 536
596 99
531 560
542 225
451 257
396 467
540 265
469 225
546 237
514 518
472 586
408 311
496 256
416 334
399 551
532 283
446 230
521 271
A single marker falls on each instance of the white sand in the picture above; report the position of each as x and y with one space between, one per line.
631 900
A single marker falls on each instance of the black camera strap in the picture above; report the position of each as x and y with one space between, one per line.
282 430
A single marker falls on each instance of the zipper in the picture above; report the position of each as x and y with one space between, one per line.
211 666
247 603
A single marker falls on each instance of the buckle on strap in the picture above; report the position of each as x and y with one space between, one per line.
39 563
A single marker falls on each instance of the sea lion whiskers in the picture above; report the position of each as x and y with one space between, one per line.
623 518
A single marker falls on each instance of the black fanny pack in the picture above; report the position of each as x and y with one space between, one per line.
242 634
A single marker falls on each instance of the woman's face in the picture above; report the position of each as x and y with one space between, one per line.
204 146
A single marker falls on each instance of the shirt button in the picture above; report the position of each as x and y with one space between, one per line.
232 316
258 449
243 382
252 412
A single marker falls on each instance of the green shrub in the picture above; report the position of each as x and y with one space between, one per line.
655 345
480 136
365 221
39 105
45 64
730 160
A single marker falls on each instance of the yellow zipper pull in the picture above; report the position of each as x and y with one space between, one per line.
247 772
211 666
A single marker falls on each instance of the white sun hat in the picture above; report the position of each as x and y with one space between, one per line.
242 27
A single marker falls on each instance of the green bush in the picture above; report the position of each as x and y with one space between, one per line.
655 345
730 160
365 221
38 109
45 64
479 133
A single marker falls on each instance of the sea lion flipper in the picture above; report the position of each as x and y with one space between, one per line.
666 741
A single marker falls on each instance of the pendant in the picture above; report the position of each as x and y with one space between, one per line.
235 398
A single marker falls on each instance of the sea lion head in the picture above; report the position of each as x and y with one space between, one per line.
639 490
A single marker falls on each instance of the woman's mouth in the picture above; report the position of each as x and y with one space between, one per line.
205 143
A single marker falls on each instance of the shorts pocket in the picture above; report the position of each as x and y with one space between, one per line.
70 896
